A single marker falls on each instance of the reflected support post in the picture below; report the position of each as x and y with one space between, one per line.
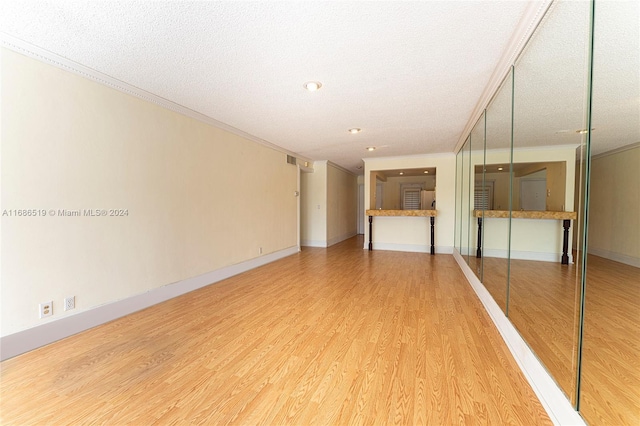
566 224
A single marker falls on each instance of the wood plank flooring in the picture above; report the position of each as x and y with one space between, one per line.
610 383
327 336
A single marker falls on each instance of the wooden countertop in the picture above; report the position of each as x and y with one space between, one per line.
415 213
526 214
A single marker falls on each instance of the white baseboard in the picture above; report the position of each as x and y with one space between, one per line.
551 396
525 255
340 238
416 248
313 243
616 257
32 338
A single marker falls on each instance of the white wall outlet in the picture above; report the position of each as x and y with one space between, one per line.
46 309
69 303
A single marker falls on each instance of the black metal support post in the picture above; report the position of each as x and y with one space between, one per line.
370 233
479 250
433 221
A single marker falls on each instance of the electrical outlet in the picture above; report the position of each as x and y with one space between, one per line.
260 250
46 309
69 303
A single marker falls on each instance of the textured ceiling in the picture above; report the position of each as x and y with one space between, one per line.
408 73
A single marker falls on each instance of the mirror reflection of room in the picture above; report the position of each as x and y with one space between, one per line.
538 186
559 165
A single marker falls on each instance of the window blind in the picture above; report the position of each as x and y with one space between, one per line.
411 199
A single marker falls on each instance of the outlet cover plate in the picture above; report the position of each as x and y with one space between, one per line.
69 303
46 309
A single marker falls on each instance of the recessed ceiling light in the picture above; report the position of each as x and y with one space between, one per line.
355 130
312 86
371 148
401 173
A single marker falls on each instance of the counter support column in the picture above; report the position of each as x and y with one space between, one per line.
479 249
432 220
370 233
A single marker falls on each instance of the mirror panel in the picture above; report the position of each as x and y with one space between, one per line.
478 196
569 177
458 197
610 373
464 200
548 123
497 183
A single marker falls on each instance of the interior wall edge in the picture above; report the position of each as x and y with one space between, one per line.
616 151
32 51
549 393
340 238
23 341
336 166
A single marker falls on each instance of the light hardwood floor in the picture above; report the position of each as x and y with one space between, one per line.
327 336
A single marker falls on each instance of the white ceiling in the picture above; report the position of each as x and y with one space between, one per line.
408 73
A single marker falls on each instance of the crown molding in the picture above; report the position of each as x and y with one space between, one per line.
339 167
616 150
411 156
530 20
43 55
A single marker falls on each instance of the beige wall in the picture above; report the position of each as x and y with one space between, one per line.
198 198
375 177
342 205
329 205
614 206
500 189
313 206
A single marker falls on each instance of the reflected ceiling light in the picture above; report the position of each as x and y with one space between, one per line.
355 130
499 169
426 171
583 131
312 86
401 173
371 148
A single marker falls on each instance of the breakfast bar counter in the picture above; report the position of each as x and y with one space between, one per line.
431 214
